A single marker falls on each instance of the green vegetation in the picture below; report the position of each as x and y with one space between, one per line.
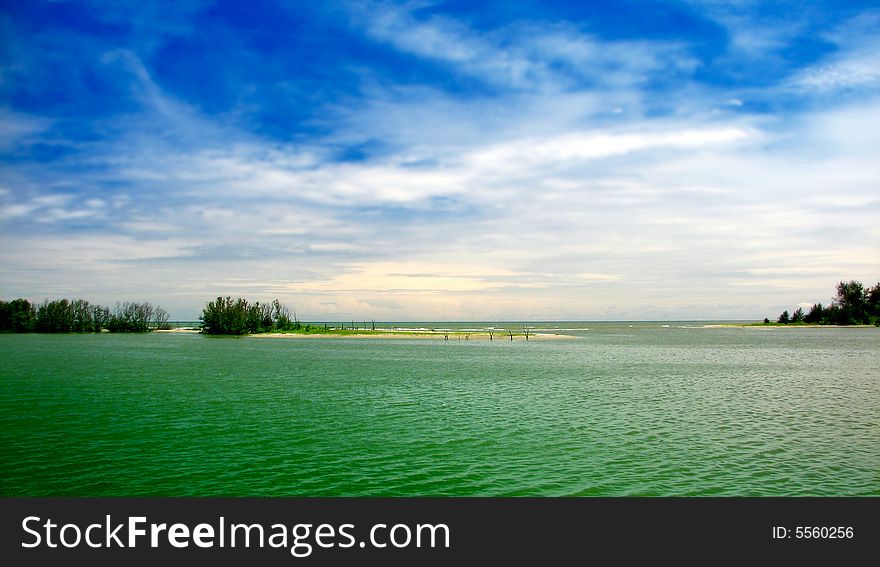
227 316
79 316
223 316
17 316
853 305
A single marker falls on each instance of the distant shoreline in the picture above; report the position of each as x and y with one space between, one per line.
482 335
384 334
388 334
789 326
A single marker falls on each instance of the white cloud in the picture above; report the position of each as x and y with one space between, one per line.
853 65
653 210
544 152
546 203
16 127
16 210
849 70
755 33
545 57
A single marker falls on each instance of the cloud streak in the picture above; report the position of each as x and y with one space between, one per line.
521 56
570 176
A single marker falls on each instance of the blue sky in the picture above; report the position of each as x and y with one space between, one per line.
441 160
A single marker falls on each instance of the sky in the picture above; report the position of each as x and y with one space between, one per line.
405 161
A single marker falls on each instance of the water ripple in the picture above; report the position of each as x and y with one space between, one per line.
648 411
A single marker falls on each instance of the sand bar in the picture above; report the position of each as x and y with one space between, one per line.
435 335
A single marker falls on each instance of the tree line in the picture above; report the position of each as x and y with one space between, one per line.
227 316
80 316
854 304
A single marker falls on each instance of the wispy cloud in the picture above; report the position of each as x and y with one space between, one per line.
855 63
524 55
18 127
568 174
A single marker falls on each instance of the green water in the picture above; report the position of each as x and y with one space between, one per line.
623 409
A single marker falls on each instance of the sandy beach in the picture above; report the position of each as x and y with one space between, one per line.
417 335
387 334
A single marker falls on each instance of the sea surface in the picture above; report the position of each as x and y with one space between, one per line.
621 409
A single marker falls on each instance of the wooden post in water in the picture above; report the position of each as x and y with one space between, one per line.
509 332
490 334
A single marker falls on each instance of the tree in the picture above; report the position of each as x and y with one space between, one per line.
224 317
54 317
784 318
17 316
78 316
254 322
852 305
281 315
227 317
160 319
872 297
81 316
815 315
266 311
130 317
852 301
100 317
